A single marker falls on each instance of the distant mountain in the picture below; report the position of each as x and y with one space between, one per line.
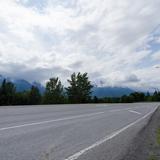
111 91
39 86
22 85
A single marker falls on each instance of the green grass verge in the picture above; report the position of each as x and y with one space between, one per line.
152 157
158 136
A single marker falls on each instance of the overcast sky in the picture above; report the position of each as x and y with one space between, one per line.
115 41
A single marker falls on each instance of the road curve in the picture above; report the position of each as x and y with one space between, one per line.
70 132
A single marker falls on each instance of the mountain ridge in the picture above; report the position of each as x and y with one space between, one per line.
101 92
23 85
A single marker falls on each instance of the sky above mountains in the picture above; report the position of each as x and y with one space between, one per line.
116 41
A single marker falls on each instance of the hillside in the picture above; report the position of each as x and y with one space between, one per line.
111 91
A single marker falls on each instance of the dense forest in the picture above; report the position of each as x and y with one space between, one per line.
78 91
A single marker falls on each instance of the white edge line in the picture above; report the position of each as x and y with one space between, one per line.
132 111
125 109
119 110
55 120
114 134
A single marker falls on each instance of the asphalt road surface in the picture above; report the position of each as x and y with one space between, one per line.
70 132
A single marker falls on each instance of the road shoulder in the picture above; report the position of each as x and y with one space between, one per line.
146 144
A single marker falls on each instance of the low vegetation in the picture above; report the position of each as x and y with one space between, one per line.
154 149
158 136
152 157
78 91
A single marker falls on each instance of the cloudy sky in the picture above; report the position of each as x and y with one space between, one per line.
116 41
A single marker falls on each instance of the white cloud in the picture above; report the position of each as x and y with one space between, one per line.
156 56
109 37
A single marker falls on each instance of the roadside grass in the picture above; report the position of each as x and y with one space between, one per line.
158 136
152 157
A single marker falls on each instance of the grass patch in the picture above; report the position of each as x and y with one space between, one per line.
152 157
158 136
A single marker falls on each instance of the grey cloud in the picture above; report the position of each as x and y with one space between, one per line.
132 79
36 74
76 65
47 38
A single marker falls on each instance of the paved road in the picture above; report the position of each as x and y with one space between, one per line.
69 132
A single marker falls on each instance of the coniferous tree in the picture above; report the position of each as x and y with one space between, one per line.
156 96
7 93
34 96
54 91
22 98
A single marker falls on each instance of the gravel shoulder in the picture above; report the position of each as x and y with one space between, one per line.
146 145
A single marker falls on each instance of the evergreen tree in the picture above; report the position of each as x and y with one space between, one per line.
54 91
79 90
95 99
156 96
138 96
22 98
7 93
34 96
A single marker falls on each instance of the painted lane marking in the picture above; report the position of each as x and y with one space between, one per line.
114 134
132 111
126 109
50 121
119 110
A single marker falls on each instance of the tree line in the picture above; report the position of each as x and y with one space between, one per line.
133 97
79 90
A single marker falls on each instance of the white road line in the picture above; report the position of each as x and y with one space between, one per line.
125 109
119 110
114 134
132 111
50 121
